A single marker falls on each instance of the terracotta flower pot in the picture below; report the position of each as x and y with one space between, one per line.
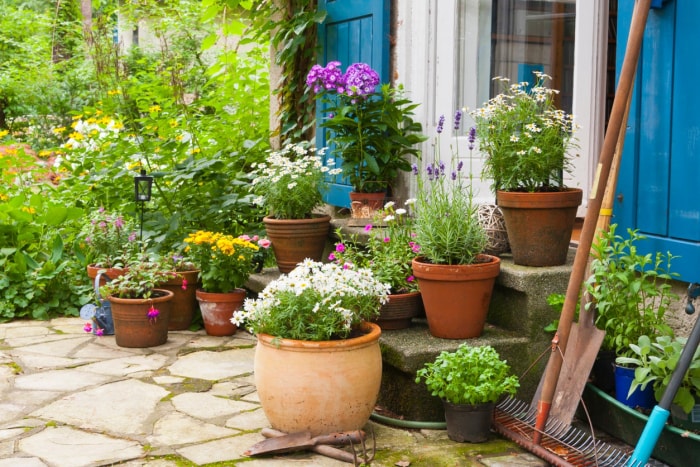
320 387
539 225
365 205
398 312
132 326
184 301
457 297
217 310
112 273
294 240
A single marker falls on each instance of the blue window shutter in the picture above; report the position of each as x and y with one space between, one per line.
354 31
657 187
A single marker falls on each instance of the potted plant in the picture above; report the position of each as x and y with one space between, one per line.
318 366
109 243
629 292
526 140
225 263
290 184
140 310
469 382
388 253
455 278
183 285
371 130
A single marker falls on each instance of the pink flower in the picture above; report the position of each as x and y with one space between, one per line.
340 248
331 257
184 284
119 223
410 279
87 327
387 239
99 332
264 243
132 236
368 227
244 237
153 314
255 238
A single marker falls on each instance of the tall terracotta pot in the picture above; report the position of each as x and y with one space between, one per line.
457 297
539 225
132 326
217 310
184 300
294 240
398 312
321 387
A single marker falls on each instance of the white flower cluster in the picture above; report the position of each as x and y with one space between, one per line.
335 284
279 164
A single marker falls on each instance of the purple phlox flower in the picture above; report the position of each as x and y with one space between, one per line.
472 137
99 332
340 248
328 78
410 279
360 79
460 164
87 327
132 236
458 118
331 257
387 239
119 222
368 227
441 123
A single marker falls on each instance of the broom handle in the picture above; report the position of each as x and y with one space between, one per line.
629 65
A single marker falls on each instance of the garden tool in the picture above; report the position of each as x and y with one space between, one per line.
280 442
659 415
99 316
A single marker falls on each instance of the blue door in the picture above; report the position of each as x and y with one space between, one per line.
659 176
354 31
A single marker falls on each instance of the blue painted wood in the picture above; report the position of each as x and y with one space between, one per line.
659 169
354 31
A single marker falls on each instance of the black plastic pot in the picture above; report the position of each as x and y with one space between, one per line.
468 423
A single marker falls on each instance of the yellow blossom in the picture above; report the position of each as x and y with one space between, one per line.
4 197
154 108
59 130
195 151
30 210
76 136
173 123
113 92
178 138
3 133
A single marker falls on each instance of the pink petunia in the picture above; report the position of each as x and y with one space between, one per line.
368 227
340 248
331 257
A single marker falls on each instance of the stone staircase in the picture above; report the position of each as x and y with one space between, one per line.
515 328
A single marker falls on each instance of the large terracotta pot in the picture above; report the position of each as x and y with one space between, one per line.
457 297
398 312
184 301
217 310
320 387
539 225
133 328
294 240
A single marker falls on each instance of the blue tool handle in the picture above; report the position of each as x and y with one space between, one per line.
647 441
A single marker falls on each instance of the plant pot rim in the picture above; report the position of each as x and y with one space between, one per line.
166 295
313 219
294 345
491 259
569 197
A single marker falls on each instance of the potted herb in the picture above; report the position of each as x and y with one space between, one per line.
455 278
109 242
225 263
290 185
370 127
469 382
388 253
527 140
630 292
140 310
316 347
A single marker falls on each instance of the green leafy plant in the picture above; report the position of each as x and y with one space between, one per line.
447 225
525 137
655 361
470 375
290 183
225 262
372 131
388 251
314 302
109 239
630 291
139 280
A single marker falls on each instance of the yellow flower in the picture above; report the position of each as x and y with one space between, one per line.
178 138
173 123
154 108
30 210
4 197
76 136
195 151
59 130
113 92
118 125
3 133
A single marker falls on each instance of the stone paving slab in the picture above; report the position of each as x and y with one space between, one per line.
71 399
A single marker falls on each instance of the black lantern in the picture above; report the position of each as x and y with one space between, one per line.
142 192
142 186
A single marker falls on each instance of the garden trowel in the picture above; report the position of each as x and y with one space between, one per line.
302 441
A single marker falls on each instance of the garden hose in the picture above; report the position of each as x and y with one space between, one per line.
414 424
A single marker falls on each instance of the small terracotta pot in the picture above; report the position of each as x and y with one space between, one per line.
133 328
217 310
539 225
184 301
365 205
294 240
457 297
398 312
321 387
112 273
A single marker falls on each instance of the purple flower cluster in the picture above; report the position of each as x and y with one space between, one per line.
359 79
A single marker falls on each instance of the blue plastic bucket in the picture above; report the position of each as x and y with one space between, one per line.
639 398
